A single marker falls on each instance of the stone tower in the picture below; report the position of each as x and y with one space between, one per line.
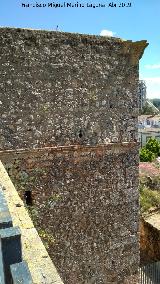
70 102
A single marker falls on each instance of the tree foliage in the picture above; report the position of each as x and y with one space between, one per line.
149 152
153 145
146 155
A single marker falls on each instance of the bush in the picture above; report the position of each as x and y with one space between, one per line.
146 155
153 145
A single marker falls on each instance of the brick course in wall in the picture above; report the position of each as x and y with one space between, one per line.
76 94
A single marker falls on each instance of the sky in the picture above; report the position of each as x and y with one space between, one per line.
139 21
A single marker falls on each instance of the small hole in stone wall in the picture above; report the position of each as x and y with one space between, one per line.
132 135
111 106
80 134
113 262
28 197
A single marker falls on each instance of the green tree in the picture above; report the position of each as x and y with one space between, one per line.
153 145
146 155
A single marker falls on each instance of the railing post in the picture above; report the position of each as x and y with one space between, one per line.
20 273
5 217
10 250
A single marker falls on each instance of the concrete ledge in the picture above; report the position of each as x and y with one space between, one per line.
154 220
33 251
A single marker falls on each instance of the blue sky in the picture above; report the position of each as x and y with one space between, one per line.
140 21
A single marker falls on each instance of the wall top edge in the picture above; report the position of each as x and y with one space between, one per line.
90 37
129 48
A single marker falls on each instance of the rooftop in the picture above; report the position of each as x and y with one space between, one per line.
149 129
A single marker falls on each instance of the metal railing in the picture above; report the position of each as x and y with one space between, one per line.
13 269
150 273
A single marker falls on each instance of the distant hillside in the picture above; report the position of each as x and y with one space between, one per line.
156 103
150 108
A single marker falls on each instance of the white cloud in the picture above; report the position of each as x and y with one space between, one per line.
152 80
107 33
152 66
153 87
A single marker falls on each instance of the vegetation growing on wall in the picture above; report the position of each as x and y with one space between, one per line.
24 179
149 199
149 193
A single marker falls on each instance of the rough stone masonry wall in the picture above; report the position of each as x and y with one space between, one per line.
62 90
150 238
85 207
